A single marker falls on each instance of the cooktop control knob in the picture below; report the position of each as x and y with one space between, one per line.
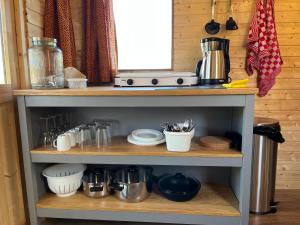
180 81
130 82
154 81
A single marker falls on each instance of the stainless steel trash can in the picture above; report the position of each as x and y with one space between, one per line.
267 135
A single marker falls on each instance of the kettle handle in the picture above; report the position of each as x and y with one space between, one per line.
198 68
227 60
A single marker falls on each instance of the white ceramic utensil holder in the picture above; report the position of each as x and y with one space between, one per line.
179 141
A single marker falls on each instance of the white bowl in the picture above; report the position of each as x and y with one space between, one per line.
133 141
179 141
147 135
64 179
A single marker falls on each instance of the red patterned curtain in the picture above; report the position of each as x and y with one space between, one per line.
58 24
100 58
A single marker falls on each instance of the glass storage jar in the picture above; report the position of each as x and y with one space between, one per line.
46 64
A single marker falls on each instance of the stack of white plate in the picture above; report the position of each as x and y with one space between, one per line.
146 137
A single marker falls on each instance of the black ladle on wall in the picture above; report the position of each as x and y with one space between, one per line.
212 27
231 24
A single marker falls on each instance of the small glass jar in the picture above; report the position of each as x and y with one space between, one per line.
46 64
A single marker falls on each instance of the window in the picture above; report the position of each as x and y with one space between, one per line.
144 34
2 69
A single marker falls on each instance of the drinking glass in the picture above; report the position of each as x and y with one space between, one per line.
85 137
108 124
60 123
102 137
47 135
93 128
54 128
67 120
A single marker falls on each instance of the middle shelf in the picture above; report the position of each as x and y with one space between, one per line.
123 153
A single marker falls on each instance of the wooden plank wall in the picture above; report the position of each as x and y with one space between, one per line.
190 16
77 17
35 14
11 205
11 201
283 102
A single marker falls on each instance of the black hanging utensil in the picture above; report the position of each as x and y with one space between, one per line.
212 27
231 23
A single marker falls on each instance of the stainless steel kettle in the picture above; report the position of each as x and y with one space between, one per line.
214 68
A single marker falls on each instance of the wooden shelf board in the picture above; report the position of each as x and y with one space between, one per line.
212 200
120 147
113 91
88 222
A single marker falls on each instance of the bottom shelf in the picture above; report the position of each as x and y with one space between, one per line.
213 205
85 222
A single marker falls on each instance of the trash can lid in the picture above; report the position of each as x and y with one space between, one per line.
269 128
261 121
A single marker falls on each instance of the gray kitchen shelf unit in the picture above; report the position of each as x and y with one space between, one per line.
241 106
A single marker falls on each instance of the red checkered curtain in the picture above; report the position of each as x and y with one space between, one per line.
100 61
58 24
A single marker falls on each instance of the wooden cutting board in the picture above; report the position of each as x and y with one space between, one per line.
216 142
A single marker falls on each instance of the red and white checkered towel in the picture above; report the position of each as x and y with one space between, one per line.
263 49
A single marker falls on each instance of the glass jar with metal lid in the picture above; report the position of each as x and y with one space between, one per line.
46 64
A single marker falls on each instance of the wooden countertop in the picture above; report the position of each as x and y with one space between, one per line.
132 91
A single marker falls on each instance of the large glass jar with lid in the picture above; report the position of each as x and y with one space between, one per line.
46 64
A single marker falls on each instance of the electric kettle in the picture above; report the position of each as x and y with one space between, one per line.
214 68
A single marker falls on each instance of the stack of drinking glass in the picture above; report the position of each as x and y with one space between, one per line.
97 133
52 126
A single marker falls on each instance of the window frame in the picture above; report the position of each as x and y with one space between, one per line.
5 89
2 45
172 50
10 38
4 19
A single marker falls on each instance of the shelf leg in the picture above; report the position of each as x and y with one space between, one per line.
30 173
245 175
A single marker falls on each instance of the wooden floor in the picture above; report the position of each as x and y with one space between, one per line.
288 210
288 213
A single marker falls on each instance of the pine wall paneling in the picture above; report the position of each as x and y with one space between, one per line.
11 204
190 16
35 13
77 16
